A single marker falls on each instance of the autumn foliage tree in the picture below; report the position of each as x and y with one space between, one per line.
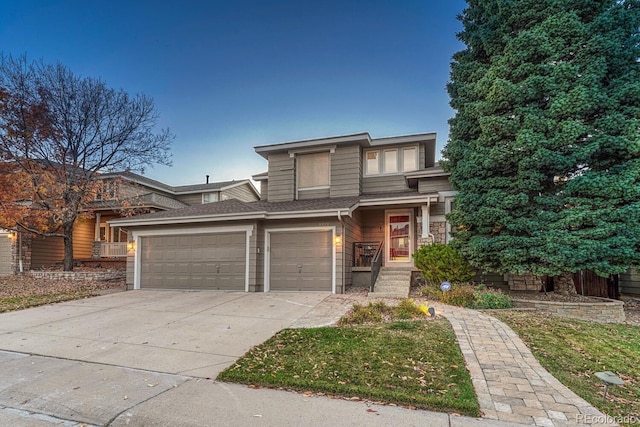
58 132
544 147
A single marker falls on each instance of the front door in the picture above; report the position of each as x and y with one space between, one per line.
399 237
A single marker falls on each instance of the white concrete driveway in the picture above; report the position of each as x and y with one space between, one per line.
190 333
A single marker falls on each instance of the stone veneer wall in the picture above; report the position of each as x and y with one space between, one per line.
601 310
438 229
79 275
524 282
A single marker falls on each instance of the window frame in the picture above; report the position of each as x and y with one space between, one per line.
209 193
400 161
321 186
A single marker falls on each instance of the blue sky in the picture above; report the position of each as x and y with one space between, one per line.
229 75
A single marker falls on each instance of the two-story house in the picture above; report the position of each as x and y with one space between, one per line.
332 212
95 241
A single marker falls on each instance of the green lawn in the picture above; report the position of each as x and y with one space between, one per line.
573 350
413 363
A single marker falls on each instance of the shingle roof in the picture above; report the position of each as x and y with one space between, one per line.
235 209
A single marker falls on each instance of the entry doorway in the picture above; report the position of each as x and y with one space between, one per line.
399 237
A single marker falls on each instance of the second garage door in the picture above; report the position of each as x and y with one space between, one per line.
203 261
301 261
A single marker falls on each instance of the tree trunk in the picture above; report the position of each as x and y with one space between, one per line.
67 263
564 285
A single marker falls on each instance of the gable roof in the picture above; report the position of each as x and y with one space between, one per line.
179 189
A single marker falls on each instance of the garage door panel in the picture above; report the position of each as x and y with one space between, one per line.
301 261
200 261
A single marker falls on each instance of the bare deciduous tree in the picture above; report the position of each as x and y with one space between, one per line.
58 132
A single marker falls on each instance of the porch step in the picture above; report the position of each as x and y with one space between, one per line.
392 282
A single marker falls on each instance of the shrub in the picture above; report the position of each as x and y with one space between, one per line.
490 298
431 292
361 314
439 262
408 309
460 295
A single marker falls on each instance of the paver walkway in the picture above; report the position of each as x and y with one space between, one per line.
510 383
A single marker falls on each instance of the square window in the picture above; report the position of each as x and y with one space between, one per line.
313 170
209 197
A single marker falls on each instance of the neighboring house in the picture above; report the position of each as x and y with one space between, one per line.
122 193
328 207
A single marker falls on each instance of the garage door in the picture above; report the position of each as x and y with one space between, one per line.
202 261
5 254
301 261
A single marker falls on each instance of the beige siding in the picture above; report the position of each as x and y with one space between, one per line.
83 234
630 282
372 225
242 192
437 209
384 184
46 252
352 234
264 190
281 178
190 199
433 185
130 270
313 194
5 254
345 171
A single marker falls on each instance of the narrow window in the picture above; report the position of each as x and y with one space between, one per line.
409 159
373 165
391 161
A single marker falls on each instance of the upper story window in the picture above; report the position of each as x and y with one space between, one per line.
107 190
210 197
312 170
391 161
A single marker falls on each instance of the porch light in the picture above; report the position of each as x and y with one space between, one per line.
12 235
131 246
338 239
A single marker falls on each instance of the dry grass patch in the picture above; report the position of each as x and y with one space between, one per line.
24 291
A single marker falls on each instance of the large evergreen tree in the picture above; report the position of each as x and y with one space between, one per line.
544 147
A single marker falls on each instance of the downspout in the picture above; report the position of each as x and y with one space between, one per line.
344 274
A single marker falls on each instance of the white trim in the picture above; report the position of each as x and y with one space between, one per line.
422 198
405 139
267 251
400 169
137 237
425 220
331 149
216 192
387 237
442 195
244 216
